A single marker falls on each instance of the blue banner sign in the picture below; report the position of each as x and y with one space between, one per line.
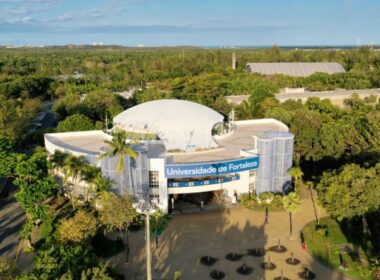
203 183
211 168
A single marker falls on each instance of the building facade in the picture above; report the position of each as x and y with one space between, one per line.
193 149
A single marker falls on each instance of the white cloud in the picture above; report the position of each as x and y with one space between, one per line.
12 11
95 13
29 1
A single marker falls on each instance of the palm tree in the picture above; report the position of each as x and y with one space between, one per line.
292 204
120 148
310 186
58 159
159 222
99 185
245 110
73 167
296 173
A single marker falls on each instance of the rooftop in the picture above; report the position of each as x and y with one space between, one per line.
295 69
179 124
334 95
230 146
86 142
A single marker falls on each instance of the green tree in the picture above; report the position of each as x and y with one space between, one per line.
310 186
351 191
305 126
159 222
292 204
296 173
100 185
73 167
35 186
260 93
116 213
16 115
8 158
56 260
281 114
97 273
77 229
58 158
76 122
245 110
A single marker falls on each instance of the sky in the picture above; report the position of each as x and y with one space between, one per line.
185 22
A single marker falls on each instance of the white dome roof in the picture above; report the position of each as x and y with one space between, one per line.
180 124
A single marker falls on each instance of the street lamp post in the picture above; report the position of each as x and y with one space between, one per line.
147 208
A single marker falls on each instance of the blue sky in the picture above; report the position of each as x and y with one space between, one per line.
185 22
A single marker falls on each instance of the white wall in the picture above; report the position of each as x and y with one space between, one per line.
158 164
240 186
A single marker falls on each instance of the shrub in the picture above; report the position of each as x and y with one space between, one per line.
321 230
266 197
277 202
46 228
247 200
7 268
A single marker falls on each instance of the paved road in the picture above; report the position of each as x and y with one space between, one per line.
12 219
336 96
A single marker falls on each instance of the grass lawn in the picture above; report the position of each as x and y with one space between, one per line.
331 246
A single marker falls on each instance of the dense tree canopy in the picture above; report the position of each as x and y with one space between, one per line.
8 158
325 131
83 79
54 262
351 191
76 122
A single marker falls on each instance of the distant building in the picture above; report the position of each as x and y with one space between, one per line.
295 69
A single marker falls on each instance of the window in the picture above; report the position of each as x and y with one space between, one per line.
252 187
153 179
155 196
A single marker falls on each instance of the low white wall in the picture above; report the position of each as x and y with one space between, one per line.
263 122
56 141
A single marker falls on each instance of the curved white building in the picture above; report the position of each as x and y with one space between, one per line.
181 125
196 151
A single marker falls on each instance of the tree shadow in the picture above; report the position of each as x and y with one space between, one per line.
216 234
219 235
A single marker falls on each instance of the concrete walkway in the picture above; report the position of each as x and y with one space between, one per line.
189 237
